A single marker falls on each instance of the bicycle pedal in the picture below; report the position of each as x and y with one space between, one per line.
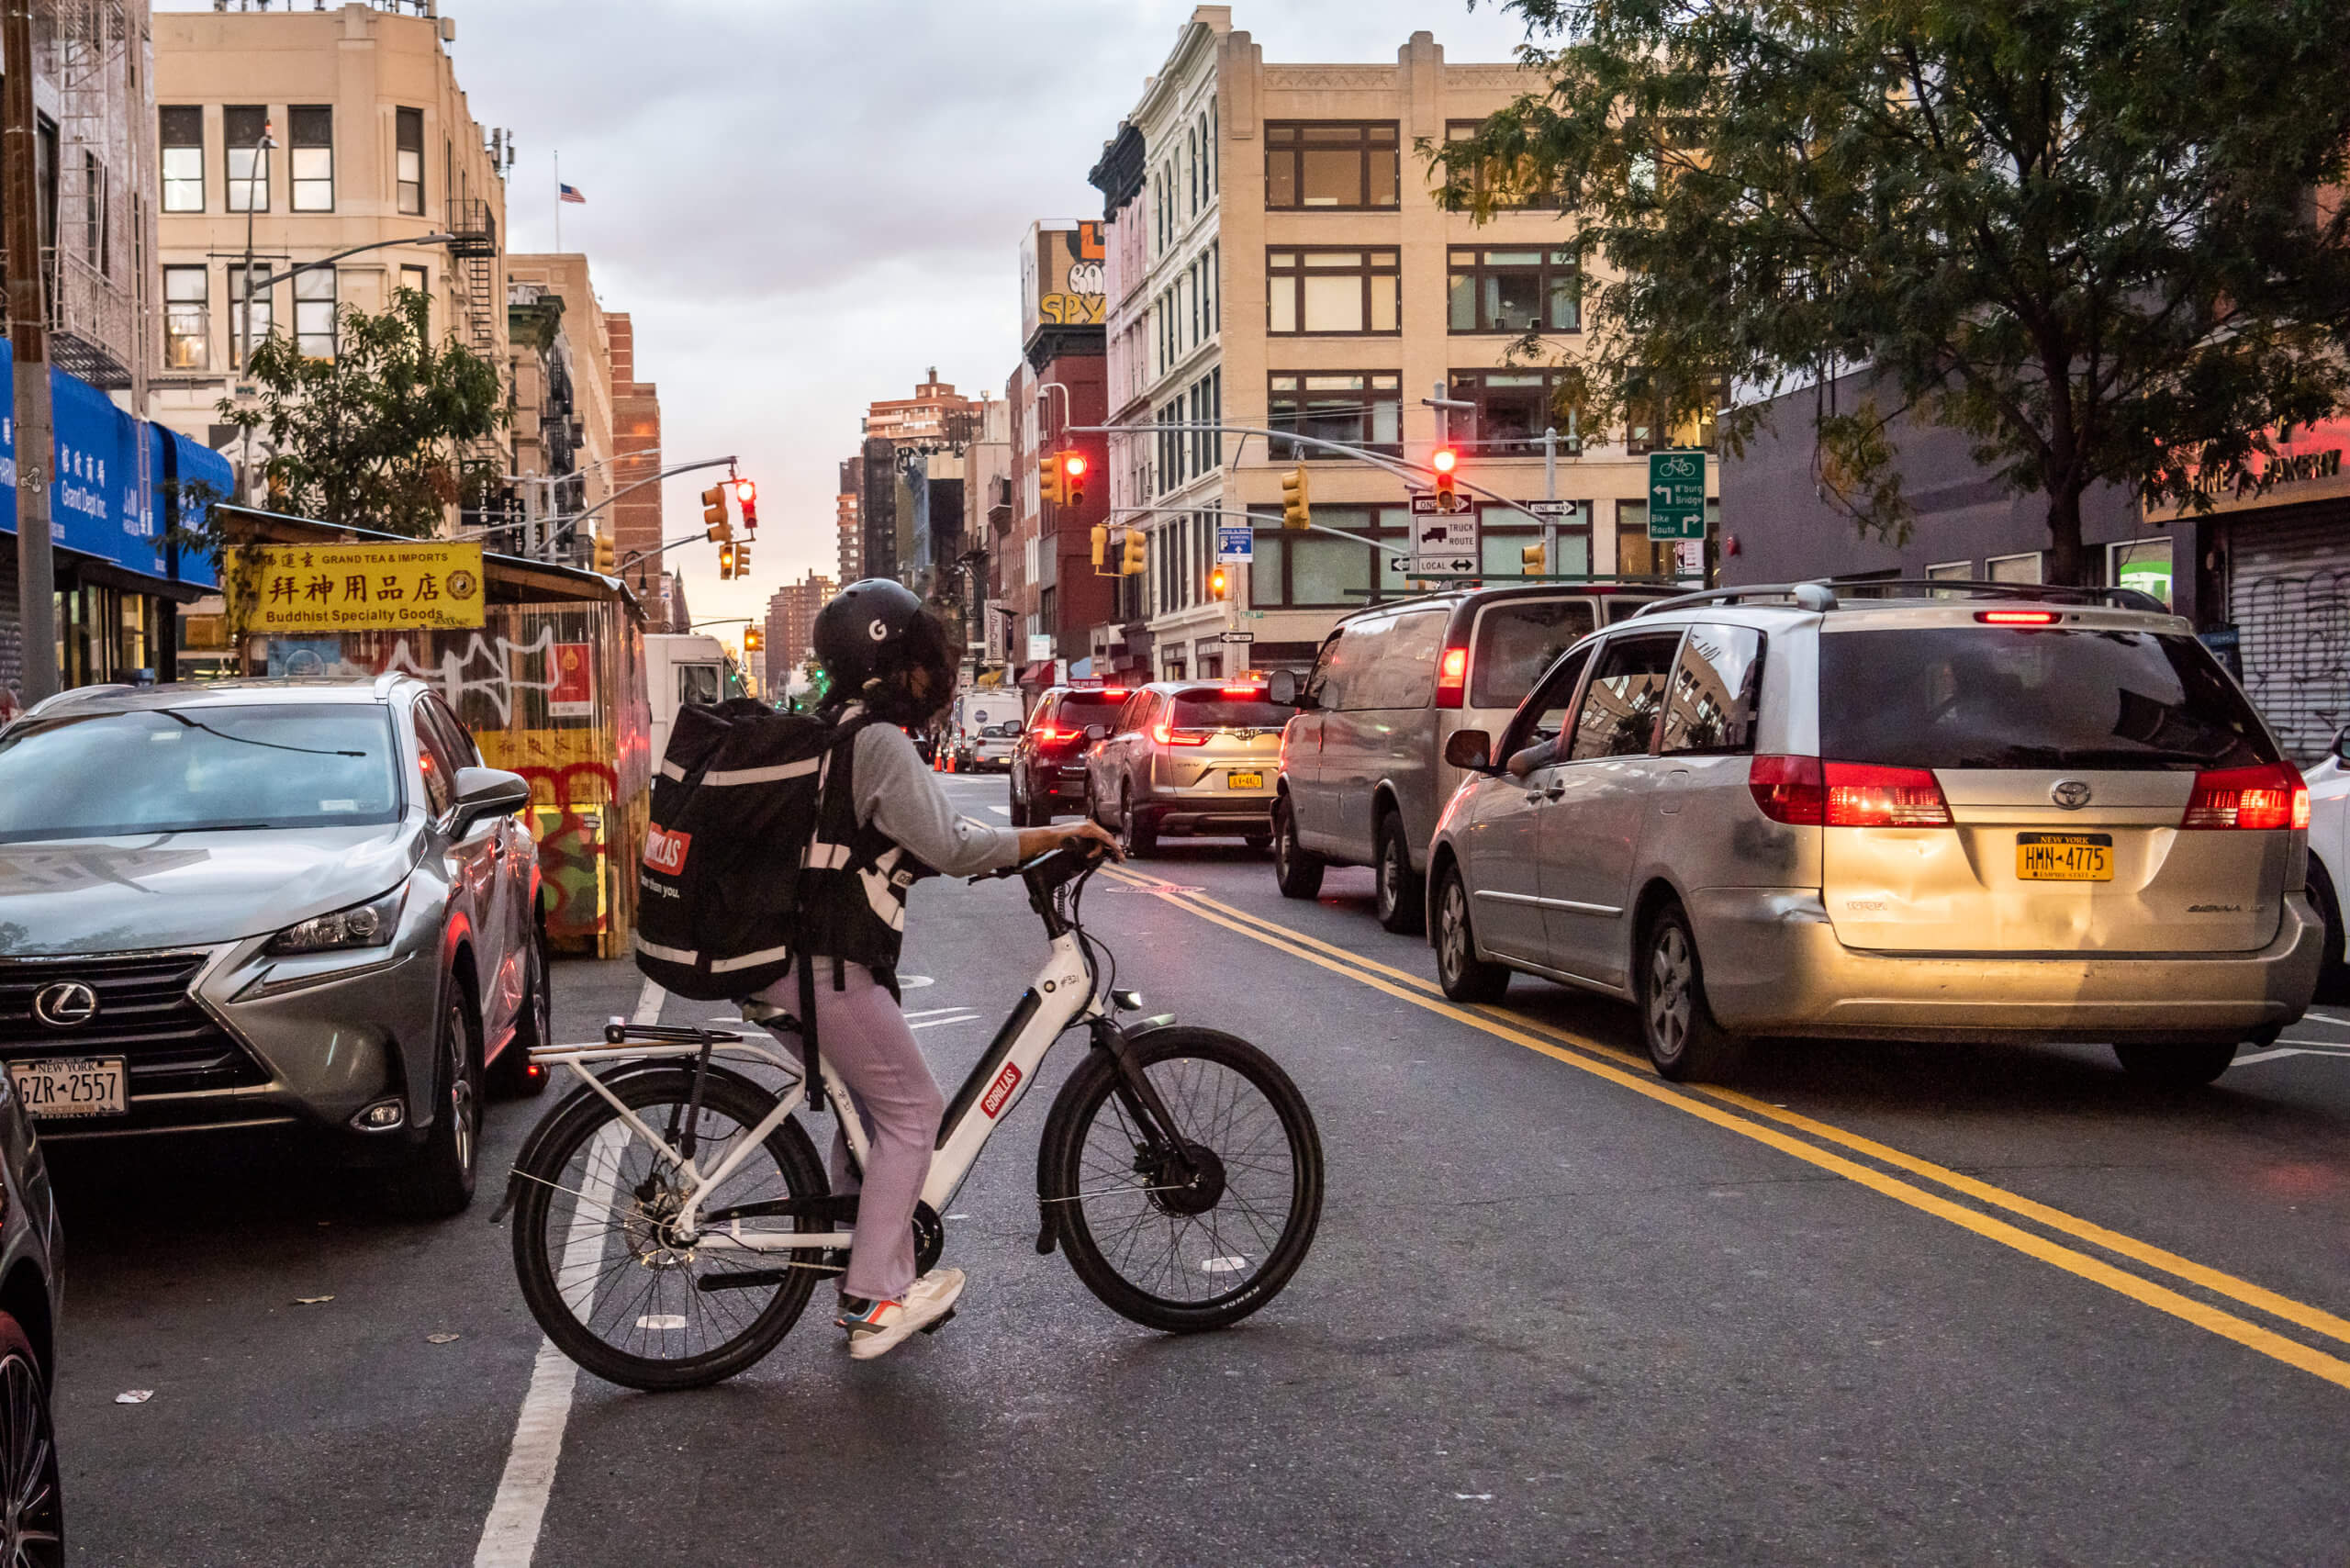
941 1321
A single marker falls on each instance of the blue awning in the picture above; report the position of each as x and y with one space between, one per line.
94 507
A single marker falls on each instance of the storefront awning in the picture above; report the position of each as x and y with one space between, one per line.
1039 674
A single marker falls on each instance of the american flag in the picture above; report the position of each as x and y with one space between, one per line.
571 193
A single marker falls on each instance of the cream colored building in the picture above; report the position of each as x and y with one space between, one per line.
575 377
290 136
1293 270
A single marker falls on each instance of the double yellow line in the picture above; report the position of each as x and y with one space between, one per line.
1819 1144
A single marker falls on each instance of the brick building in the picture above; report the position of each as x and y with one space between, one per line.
791 624
637 517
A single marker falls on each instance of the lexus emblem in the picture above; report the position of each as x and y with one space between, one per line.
68 1005
2070 793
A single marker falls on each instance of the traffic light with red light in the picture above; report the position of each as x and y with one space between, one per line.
746 494
1444 461
1073 466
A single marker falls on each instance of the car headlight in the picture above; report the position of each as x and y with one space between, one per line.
369 924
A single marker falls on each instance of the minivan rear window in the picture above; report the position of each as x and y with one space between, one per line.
2031 697
1517 639
1212 711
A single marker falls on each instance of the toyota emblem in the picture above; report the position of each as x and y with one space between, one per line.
2070 793
68 1005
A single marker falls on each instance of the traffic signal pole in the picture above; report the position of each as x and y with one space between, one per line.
1396 465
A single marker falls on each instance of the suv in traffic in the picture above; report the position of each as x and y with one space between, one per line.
1954 811
268 903
1047 765
1362 769
1189 758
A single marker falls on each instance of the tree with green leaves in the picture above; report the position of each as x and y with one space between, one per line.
376 436
2097 235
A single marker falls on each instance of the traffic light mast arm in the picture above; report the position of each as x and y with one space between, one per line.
563 525
1396 465
1258 518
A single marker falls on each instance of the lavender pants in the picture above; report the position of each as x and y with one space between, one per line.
861 1033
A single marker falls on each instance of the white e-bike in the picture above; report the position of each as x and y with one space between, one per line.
671 1216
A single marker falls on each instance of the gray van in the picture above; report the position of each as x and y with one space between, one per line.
1362 772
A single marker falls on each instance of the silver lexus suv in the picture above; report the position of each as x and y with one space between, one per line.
1940 812
300 904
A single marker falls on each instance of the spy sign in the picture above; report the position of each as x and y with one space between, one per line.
1676 494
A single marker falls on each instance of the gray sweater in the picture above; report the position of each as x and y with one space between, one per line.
898 794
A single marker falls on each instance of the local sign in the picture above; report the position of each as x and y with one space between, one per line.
1676 494
354 588
1443 546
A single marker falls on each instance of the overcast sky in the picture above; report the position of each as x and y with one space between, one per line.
804 206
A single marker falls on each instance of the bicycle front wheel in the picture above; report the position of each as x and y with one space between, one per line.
609 1276
1202 1240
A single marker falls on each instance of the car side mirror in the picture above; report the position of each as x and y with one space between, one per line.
2341 744
1285 688
1470 749
1096 732
484 793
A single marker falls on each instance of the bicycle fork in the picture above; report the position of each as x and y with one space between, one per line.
1163 1145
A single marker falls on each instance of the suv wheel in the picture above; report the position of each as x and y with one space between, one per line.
1676 1023
1021 817
439 1181
1400 891
1464 976
1135 836
1297 871
2175 1066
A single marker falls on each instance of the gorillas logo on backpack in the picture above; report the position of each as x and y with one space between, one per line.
665 851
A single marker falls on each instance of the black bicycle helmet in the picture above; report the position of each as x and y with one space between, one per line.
870 639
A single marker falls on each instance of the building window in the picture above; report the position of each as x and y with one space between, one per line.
250 319
1637 555
2023 568
2144 565
1462 131
1505 533
313 157
1358 408
1339 165
1317 571
188 318
1514 408
1515 291
1639 434
1331 292
183 140
1950 572
418 280
242 128
314 313
408 174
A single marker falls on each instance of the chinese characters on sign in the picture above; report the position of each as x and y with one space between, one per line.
355 588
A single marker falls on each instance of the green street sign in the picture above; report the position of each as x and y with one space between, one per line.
1676 494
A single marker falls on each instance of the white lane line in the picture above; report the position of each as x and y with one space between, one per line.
933 1012
935 1023
511 1535
1001 810
2275 1052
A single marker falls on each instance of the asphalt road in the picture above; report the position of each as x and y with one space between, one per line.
1867 1303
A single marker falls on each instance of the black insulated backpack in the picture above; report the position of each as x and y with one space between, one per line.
735 807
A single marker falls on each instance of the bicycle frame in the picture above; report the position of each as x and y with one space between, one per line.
1063 993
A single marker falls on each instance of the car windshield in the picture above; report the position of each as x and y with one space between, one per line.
1213 710
2031 697
1517 639
198 769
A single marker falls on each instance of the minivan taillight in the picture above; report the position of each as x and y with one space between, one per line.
1789 790
1861 794
1806 792
2269 796
1452 678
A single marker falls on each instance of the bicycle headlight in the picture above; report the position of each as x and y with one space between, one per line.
369 924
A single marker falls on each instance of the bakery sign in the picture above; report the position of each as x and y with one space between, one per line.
354 588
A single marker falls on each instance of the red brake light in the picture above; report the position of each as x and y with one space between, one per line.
2017 617
1452 678
1862 795
2270 795
1244 691
1114 691
1788 790
1166 736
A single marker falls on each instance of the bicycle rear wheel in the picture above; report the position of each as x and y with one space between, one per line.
618 1293
1196 1244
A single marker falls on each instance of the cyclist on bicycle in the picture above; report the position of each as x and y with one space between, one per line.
888 657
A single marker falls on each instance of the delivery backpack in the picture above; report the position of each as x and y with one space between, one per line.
723 884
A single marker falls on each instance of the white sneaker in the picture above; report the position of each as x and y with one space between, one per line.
882 1326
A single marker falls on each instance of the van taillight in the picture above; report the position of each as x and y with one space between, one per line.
1806 792
2269 796
1452 678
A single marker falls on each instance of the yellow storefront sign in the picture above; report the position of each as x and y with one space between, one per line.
354 588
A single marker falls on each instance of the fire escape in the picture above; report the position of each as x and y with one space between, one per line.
475 250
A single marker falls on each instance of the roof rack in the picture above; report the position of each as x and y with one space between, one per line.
1822 596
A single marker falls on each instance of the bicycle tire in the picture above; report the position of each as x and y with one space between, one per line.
544 1228
1077 1124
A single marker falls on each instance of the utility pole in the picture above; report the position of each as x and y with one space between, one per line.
27 337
